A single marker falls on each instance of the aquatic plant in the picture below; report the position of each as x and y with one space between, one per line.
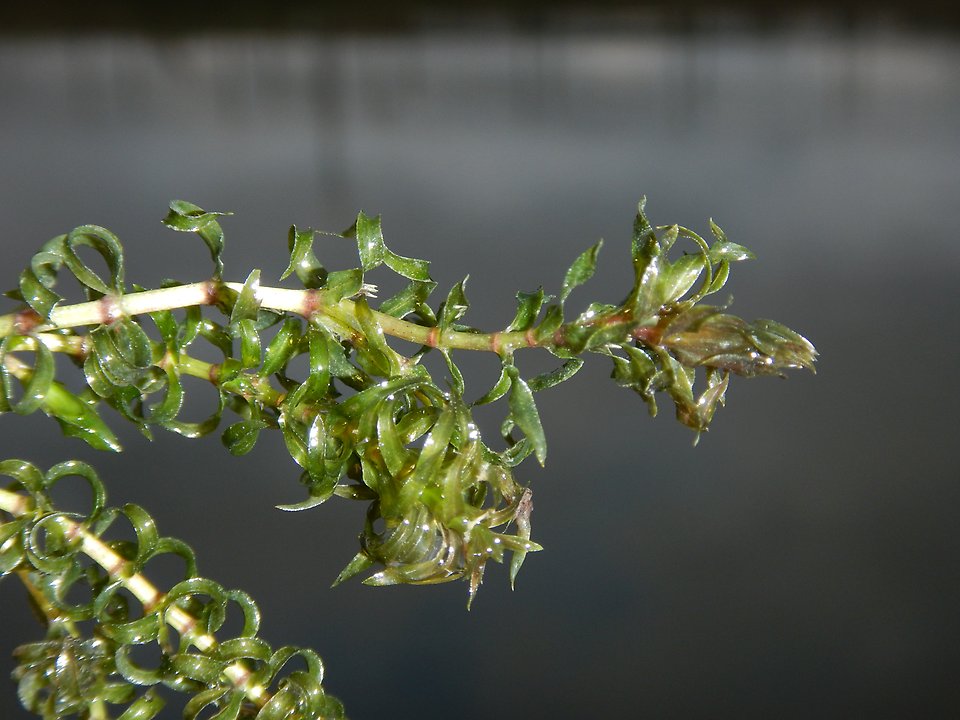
367 423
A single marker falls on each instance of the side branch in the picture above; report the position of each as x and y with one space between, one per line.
141 588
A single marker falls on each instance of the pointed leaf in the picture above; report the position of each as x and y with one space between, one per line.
455 306
500 388
581 270
555 377
410 268
369 236
303 262
187 217
523 410
528 309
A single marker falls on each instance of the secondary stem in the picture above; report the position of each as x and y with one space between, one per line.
141 588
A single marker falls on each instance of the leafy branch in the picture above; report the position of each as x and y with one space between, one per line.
367 422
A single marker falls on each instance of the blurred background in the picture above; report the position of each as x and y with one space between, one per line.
802 561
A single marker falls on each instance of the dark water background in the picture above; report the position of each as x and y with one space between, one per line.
802 561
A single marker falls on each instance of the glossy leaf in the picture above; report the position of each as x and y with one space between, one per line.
555 377
581 270
187 217
303 262
524 412
528 310
455 306
107 245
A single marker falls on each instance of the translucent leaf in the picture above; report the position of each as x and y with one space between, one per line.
343 284
500 388
431 456
408 267
240 437
78 419
391 444
678 277
522 518
552 321
581 270
528 309
107 245
524 412
247 304
38 280
373 348
720 277
729 251
36 382
456 377
555 377
369 236
410 299
455 306
282 348
303 262
173 398
360 563
187 217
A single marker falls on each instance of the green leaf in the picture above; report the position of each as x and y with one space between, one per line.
552 321
523 410
282 348
431 456
187 217
455 306
729 251
581 270
343 284
410 268
167 410
246 330
78 419
107 245
240 437
36 384
303 262
719 277
38 280
555 377
247 304
360 563
678 277
391 444
369 236
528 309
522 518
499 389
374 349
410 299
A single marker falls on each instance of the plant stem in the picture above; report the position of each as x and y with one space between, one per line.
141 588
308 303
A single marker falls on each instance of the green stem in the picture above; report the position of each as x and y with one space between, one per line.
308 303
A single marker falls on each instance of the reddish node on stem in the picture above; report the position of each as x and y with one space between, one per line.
26 320
110 310
311 303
